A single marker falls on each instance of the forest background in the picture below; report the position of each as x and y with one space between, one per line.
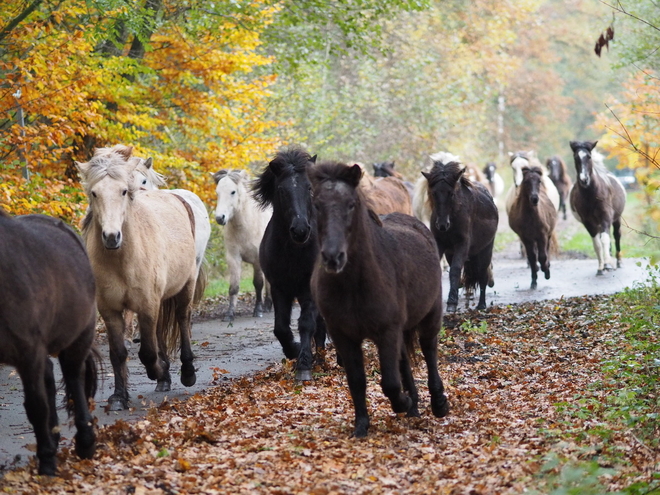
201 86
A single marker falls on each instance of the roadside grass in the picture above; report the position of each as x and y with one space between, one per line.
220 286
626 400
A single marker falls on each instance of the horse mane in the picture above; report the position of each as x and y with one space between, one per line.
450 172
530 156
145 167
108 162
597 159
287 161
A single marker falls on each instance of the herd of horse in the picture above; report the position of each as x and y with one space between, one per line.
360 254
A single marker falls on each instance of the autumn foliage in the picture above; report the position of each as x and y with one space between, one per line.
191 99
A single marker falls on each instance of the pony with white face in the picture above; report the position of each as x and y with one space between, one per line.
245 223
141 245
146 178
524 160
597 201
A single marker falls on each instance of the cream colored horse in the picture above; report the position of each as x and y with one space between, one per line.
142 250
245 222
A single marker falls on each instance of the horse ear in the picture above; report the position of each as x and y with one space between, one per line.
313 159
125 151
591 145
148 163
83 168
426 175
353 175
573 145
243 174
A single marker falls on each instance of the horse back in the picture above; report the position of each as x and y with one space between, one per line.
47 288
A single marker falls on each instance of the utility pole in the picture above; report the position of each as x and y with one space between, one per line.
500 128
21 149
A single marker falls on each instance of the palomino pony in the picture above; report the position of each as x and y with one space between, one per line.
561 180
47 307
245 223
495 182
533 217
379 280
464 223
288 252
597 201
141 246
148 179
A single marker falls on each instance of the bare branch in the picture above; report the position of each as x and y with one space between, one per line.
619 8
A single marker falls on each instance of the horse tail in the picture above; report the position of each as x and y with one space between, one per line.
201 283
421 203
470 275
168 326
553 244
93 362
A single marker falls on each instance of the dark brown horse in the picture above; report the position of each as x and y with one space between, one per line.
533 217
47 307
561 180
377 280
288 252
597 200
463 222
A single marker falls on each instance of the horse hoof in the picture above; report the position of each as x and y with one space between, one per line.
188 379
413 413
47 467
292 351
85 451
258 314
600 273
116 403
303 375
533 285
440 407
163 386
618 263
451 307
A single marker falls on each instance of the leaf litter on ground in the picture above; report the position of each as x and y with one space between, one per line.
511 385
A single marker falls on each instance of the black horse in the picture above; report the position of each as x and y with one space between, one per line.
597 200
48 307
464 223
561 180
288 252
378 280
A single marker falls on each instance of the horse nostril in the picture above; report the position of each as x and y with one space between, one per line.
220 219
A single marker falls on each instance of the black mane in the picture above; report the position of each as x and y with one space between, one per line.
286 162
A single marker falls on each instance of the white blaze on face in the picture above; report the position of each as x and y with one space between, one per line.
517 166
584 176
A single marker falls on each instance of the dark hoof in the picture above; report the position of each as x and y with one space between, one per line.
533 285
268 305
258 314
413 413
47 467
600 273
451 307
188 379
481 307
292 351
228 317
360 430
164 386
547 275
618 263
85 451
405 407
303 375
116 403
440 406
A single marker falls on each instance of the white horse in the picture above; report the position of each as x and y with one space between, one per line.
527 159
148 179
245 223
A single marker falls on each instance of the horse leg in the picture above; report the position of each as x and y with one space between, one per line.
455 268
484 260
73 362
617 241
234 264
543 245
183 318
282 304
531 259
258 281
152 349
351 355
268 300
408 382
114 324
606 247
428 341
307 330
51 392
389 355
37 409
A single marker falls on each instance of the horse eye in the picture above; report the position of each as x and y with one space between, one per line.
144 182
93 194
233 192
123 193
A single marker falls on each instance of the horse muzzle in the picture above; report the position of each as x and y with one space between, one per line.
221 219
333 262
300 232
112 241
443 226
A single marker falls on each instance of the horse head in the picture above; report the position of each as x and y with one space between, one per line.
531 184
445 180
336 199
583 160
110 186
385 169
145 177
489 171
285 186
230 190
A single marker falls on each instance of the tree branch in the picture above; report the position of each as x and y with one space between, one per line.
619 8
19 18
